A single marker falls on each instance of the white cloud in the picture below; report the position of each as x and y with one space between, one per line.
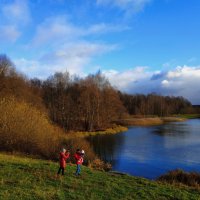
184 81
59 29
75 56
123 80
72 58
9 33
15 15
28 67
34 68
55 29
184 72
17 11
165 83
63 46
181 81
131 6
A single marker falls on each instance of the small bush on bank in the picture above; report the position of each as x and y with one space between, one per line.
180 177
100 165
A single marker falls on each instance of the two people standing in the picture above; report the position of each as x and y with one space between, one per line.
64 155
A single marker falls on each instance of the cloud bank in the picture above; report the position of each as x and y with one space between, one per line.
72 57
63 46
182 81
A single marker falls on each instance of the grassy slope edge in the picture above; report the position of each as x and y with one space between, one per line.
26 178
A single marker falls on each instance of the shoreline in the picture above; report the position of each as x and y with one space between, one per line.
149 121
109 131
123 124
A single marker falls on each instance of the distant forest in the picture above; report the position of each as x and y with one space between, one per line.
87 104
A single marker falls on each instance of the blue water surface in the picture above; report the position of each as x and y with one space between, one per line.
152 151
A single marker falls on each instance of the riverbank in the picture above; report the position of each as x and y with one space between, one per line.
27 178
113 130
189 116
148 121
122 124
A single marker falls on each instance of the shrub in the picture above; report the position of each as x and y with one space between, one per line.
100 165
180 177
24 128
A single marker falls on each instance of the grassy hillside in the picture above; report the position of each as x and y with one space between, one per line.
26 178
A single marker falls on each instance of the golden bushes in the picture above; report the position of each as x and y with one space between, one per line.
24 128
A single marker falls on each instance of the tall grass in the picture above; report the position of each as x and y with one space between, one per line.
140 121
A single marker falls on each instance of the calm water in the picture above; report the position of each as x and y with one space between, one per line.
152 151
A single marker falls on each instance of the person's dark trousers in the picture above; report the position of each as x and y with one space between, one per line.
63 170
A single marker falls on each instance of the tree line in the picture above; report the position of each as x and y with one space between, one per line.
154 104
80 104
85 104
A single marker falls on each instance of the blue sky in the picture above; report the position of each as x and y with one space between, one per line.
142 46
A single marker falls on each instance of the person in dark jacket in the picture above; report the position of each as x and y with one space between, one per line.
79 160
64 155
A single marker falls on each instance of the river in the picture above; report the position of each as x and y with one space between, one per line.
152 151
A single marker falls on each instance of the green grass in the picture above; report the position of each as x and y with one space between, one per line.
26 178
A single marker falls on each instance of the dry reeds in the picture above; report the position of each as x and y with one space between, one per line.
148 121
178 176
100 165
140 121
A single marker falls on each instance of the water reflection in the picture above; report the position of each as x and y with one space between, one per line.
172 129
152 151
106 146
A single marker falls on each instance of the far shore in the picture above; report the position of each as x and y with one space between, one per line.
123 124
113 130
153 120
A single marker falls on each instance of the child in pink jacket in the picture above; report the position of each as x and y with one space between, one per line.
79 160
